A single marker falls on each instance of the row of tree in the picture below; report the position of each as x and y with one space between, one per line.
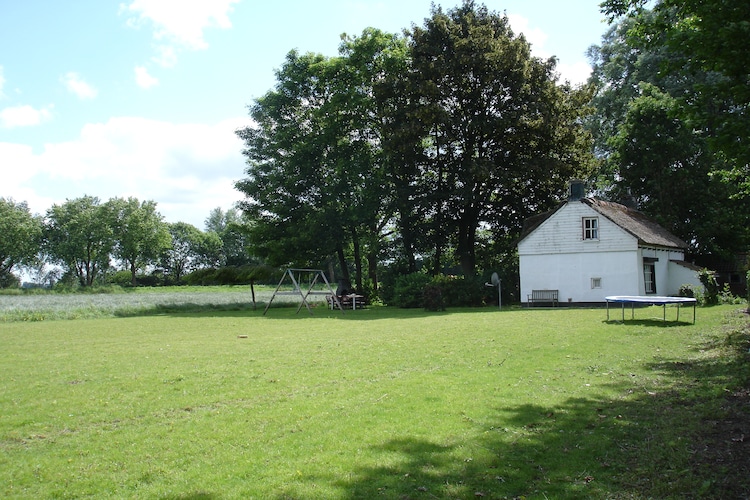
671 118
434 146
429 148
85 239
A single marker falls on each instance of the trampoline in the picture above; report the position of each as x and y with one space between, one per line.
650 300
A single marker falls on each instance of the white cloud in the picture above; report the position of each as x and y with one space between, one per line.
535 36
178 24
188 169
143 79
24 116
166 56
576 73
75 84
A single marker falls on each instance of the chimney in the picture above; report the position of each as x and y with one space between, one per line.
576 190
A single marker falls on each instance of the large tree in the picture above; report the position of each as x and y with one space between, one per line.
232 229
20 237
140 233
650 153
504 137
79 236
190 249
708 37
315 181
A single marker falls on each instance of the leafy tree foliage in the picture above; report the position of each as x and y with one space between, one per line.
191 249
79 236
20 237
503 138
232 229
652 152
415 142
315 181
706 37
140 234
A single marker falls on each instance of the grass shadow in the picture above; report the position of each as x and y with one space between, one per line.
688 438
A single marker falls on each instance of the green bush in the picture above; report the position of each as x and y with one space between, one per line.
433 297
122 278
462 292
408 290
747 286
437 293
710 287
229 275
9 280
687 291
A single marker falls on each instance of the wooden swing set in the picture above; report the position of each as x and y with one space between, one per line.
315 277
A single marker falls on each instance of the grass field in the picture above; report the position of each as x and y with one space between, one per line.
378 403
121 302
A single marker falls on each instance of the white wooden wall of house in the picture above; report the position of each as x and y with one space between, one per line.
555 256
679 275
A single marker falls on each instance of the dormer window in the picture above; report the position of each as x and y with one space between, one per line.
590 227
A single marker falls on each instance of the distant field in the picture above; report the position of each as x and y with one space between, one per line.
378 403
130 302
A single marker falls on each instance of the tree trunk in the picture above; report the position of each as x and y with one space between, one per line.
467 235
357 261
342 263
132 272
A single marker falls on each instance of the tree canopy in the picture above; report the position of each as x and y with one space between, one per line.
415 142
21 236
655 148
704 37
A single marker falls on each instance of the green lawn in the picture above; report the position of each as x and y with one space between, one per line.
378 403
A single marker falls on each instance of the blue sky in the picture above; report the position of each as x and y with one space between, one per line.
141 97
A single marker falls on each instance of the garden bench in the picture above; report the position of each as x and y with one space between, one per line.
549 296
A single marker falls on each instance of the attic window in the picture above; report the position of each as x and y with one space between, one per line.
590 227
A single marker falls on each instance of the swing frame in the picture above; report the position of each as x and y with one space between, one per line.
318 276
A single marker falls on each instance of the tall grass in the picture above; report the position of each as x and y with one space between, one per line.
378 403
116 301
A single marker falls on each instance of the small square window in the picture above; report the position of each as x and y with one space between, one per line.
590 228
596 282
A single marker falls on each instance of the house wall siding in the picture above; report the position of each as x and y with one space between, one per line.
555 256
618 273
562 233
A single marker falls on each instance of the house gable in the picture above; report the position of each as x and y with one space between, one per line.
563 230
587 249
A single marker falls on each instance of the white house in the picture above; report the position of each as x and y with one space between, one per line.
587 249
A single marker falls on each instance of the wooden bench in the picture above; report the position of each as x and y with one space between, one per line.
543 296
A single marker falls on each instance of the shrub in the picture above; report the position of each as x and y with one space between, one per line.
710 287
433 297
9 280
458 291
122 278
727 297
747 287
687 291
408 290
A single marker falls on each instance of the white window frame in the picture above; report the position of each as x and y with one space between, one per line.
590 228
649 277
